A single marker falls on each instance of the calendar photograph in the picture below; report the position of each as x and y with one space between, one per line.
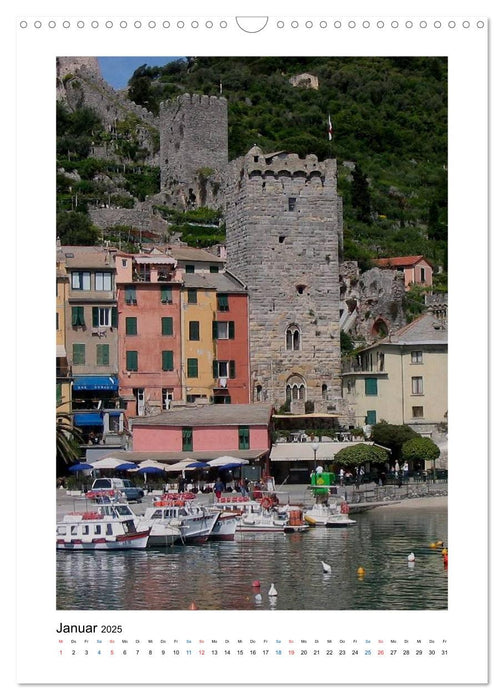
263 465
252 333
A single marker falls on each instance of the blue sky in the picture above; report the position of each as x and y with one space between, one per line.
117 70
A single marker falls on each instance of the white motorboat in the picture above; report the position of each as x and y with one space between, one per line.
263 516
110 526
328 514
225 526
193 524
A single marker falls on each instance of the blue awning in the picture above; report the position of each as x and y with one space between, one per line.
81 419
95 383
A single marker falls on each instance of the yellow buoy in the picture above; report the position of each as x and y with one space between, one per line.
444 551
361 571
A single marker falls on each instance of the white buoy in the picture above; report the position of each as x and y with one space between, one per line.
411 557
327 569
258 598
272 590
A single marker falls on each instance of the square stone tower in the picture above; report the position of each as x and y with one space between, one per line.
284 231
193 150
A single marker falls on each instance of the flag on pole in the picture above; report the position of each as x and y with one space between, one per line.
330 130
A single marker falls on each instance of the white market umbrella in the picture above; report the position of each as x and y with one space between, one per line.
184 465
112 463
224 461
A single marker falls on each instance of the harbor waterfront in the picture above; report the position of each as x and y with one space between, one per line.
370 567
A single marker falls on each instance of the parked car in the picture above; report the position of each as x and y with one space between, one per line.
124 486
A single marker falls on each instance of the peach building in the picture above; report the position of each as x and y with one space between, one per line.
416 269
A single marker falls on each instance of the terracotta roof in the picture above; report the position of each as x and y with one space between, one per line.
215 414
394 262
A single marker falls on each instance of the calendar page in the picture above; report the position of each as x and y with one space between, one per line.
329 166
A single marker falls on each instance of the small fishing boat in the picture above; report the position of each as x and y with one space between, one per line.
192 524
328 514
110 526
263 516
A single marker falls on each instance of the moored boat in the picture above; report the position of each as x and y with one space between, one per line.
328 514
193 523
111 526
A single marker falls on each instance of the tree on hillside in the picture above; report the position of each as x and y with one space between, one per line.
392 436
361 199
75 228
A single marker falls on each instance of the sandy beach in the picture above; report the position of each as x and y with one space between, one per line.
417 503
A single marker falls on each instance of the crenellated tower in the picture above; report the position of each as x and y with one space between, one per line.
193 150
284 232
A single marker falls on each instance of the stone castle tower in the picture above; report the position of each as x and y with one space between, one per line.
193 150
284 230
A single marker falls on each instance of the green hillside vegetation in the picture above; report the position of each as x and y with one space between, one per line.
389 118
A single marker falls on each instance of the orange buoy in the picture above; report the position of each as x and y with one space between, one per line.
361 571
193 606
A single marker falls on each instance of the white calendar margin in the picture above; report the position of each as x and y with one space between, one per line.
464 625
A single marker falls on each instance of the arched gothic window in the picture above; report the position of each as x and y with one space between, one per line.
295 389
293 338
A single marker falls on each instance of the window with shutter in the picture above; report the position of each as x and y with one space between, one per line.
102 354
192 296
167 360
194 330
167 325
78 316
130 295
131 325
244 437
371 386
166 295
187 439
132 360
223 302
192 367
79 353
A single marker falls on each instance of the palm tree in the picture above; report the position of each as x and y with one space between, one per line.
68 437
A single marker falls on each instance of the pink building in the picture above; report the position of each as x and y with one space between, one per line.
416 269
205 431
149 352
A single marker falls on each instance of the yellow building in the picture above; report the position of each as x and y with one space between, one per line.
198 310
403 378
63 378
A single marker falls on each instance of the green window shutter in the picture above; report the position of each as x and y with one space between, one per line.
102 354
189 268
167 360
231 330
166 295
215 369
371 386
187 439
59 393
167 325
193 330
96 321
232 369
78 316
79 353
244 437
114 317
222 302
192 296
131 325
371 418
214 269
214 330
132 360
192 367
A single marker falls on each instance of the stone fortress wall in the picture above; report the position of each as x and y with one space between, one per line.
194 150
283 225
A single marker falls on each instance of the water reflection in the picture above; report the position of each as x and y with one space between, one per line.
219 575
